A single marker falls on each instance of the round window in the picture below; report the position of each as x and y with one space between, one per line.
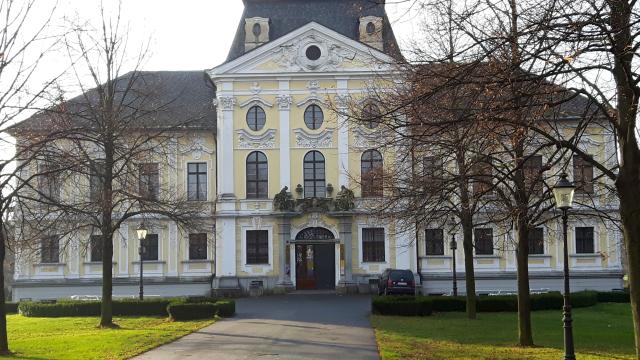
371 28
313 53
256 118
313 117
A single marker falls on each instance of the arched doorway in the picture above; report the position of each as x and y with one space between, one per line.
315 259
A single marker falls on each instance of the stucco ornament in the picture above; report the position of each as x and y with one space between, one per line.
246 140
293 56
225 102
283 201
284 102
345 199
197 147
322 140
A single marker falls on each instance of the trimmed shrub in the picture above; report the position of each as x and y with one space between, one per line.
226 308
448 303
11 308
614 297
200 299
186 311
497 303
548 301
135 307
60 309
584 299
402 306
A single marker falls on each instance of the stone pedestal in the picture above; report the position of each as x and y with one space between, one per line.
226 286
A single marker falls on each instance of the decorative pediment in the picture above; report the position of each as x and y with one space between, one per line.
363 139
321 140
197 147
311 48
247 140
312 99
256 100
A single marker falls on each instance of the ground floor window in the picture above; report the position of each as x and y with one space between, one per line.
150 248
584 240
257 247
197 246
96 248
50 250
483 241
536 241
373 245
434 241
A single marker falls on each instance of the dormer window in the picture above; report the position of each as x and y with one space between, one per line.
256 32
371 31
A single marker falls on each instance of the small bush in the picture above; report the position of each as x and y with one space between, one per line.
614 297
186 311
584 299
448 303
402 306
11 308
226 308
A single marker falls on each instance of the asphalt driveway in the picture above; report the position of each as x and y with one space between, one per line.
298 326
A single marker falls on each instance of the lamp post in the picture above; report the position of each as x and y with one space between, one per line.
453 245
563 192
142 235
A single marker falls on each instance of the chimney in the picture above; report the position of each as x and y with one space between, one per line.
256 31
371 31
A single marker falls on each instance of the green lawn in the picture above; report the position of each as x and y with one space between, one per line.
78 337
603 331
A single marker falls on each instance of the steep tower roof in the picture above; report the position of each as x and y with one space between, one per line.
342 16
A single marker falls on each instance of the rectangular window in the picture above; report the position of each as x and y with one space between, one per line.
433 173
50 250
197 246
150 248
96 248
257 247
482 175
48 182
582 175
96 178
536 241
584 240
149 181
434 241
532 168
373 245
197 181
483 241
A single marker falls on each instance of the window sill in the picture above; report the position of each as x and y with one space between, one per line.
589 255
374 262
97 263
265 264
256 200
486 257
539 256
198 261
436 257
150 262
49 264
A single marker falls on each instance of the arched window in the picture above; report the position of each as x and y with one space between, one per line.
313 117
256 118
371 115
314 177
257 176
371 173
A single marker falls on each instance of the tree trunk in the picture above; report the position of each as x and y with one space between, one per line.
106 308
4 342
469 273
525 334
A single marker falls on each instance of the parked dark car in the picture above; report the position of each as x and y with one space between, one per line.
399 282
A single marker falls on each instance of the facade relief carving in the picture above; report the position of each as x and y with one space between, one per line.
293 56
197 147
284 102
225 102
246 140
322 140
363 139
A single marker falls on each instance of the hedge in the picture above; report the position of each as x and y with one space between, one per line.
11 308
584 299
60 309
614 297
402 306
192 311
226 308
134 307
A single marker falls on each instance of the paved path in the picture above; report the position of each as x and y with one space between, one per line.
298 326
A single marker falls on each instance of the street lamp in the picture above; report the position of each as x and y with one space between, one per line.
453 245
563 192
142 235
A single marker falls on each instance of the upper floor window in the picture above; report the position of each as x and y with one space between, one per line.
583 175
584 240
536 241
532 168
373 248
313 117
433 173
149 181
198 246
257 247
197 181
371 115
95 248
314 176
96 180
483 241
48 182
257 176
434 241
50 250
482 174
150 248
256 118
371 173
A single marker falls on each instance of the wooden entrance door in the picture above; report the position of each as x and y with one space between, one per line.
315 266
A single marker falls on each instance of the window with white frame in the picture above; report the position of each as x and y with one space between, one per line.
198 246
50 250
483 241
434 241
373 248
536 241
257 247
95 244
585 243
197 181
150 248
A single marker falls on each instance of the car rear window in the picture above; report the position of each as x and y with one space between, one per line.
401 274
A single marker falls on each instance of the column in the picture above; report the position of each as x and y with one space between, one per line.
284 105
284 232
225 138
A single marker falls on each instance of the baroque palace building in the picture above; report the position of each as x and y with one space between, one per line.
276 163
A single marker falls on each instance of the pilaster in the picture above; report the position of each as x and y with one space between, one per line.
284 232
284 105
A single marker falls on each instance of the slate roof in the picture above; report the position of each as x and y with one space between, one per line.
157 99
342 16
